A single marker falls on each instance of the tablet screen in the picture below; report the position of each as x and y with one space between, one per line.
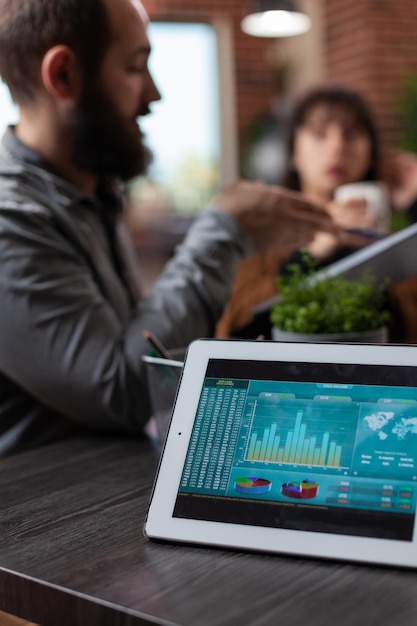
311 446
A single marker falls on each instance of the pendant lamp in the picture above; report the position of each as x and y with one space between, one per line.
275 18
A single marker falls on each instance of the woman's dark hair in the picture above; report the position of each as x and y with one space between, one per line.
29 28
335 97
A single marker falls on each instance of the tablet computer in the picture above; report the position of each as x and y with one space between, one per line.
297 448
393 257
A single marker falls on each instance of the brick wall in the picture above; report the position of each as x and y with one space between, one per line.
368 44
372 45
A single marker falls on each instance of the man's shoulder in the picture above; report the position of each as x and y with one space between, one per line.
18 189
19 199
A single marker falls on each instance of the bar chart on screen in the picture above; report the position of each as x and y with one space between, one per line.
302 437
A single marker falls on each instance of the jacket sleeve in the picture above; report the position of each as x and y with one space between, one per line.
63 342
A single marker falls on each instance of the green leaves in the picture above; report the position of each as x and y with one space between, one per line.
330 305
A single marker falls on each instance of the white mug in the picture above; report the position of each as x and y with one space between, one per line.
376 194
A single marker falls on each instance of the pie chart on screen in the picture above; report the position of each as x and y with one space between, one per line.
252 485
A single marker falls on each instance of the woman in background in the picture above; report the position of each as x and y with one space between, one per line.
332 141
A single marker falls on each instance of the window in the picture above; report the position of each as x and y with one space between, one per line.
8 110
184 129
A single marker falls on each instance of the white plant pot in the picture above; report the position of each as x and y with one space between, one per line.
379 335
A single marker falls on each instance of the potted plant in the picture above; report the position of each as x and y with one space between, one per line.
329 308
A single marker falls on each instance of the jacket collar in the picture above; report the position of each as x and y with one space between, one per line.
16 158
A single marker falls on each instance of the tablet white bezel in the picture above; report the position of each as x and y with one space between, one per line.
161 525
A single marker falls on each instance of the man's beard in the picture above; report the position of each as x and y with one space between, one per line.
102 140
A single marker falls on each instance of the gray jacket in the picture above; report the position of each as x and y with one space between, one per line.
71 314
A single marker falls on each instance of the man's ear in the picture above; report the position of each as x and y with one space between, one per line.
61 73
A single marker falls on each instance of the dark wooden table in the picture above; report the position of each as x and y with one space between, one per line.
72 553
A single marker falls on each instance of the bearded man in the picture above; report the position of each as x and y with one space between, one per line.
72 311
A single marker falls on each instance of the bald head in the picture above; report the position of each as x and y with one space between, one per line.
141 10
126 14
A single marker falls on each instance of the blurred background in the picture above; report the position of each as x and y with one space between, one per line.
226 95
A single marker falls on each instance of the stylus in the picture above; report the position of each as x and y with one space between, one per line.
370 234
155 343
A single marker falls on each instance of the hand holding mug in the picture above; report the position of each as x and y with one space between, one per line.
378 204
